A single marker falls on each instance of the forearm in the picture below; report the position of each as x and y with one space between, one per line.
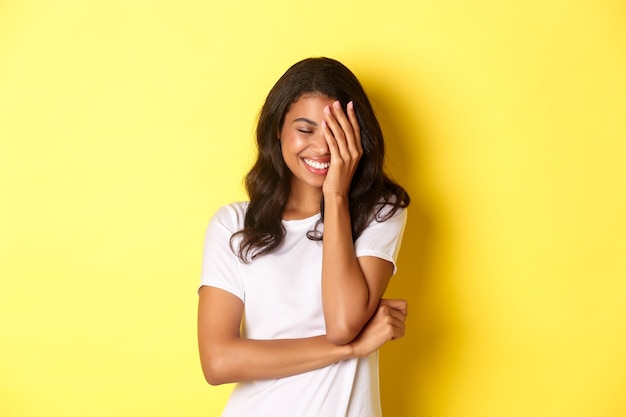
239 359
345 294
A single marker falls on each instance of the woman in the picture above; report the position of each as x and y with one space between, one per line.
290 299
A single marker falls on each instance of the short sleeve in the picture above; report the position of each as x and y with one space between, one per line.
383 239
220 265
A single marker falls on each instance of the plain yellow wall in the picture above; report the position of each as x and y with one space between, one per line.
125 124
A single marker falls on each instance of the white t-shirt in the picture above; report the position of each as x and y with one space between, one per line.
282 297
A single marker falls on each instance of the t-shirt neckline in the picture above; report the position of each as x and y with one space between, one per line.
298 222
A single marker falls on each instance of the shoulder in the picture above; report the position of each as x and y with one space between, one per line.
387 210
231 216
387 218
236 210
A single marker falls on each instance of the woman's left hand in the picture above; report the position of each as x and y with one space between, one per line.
387 323
343 135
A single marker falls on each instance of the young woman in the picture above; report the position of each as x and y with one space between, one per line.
290 301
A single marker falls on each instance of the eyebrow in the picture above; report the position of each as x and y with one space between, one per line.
305 120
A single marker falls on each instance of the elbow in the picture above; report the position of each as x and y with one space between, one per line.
213 379
341 334
214 372
343 329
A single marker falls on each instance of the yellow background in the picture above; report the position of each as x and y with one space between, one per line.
125 124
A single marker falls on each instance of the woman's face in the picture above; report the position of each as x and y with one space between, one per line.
303 145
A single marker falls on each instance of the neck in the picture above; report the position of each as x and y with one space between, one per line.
302 204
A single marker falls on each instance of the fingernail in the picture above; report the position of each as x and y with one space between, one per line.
324 123
337 105
351 105
327 110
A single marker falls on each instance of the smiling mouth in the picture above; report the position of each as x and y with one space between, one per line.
316 164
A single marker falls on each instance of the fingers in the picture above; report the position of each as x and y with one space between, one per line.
394 317
393 314
342 131
392 321
330 137
387 324
397 304
355 127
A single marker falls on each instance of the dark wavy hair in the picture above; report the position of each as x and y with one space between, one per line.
268 182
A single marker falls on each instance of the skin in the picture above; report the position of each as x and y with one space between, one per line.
318 131
303 139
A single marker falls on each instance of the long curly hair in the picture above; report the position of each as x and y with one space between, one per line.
268 182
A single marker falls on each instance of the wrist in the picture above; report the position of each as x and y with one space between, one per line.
335 198
350 351
343 352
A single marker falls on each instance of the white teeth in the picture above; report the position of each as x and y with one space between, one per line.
316 165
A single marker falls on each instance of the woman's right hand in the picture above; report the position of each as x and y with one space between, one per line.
386 324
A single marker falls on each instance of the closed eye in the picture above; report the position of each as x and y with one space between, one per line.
304 125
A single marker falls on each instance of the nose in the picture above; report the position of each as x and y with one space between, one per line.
319 144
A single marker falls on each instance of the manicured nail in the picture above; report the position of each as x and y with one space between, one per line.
337 105
327 110
351 105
